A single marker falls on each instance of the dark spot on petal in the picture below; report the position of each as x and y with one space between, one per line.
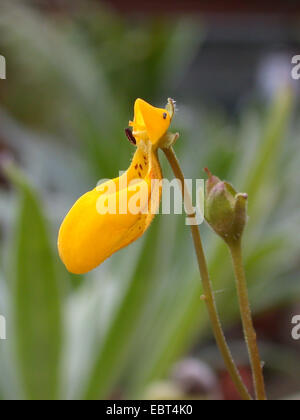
141 167
165 115
130 136
136 166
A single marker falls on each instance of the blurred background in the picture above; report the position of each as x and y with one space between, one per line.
135 327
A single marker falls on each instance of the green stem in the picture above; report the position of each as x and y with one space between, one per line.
249 331
207 286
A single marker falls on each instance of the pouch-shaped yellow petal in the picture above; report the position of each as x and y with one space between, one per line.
90 234
149 121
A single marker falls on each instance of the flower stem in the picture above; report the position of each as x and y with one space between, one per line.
207 286
249 331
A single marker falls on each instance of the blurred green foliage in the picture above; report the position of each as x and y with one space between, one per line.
72 81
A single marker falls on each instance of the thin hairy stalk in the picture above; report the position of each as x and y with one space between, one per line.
249 331
207 286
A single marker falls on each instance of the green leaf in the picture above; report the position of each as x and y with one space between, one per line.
114 350
36 298
264 168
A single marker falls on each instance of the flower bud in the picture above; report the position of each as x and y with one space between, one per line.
225 209
211 181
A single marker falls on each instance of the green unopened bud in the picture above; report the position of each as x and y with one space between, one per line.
211 181
225 209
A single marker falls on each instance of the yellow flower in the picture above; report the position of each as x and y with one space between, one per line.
119 211
149 123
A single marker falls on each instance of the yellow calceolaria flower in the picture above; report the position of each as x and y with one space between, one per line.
119 211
